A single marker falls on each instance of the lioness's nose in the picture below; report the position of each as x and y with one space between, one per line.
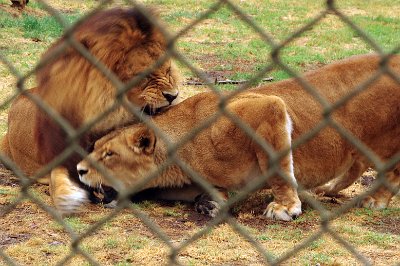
170 96
82 171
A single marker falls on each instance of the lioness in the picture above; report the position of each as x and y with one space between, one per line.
127 43
227 157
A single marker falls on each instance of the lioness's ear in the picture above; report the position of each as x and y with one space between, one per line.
142 140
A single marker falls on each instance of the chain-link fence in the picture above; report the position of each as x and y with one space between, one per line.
74 134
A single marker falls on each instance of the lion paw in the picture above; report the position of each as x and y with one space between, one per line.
372 203
277 211
205 205
70 201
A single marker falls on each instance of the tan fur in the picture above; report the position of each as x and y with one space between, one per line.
226 157
125 42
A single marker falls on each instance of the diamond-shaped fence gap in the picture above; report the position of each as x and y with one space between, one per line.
299 32
296 249
303 82
248 84
365 37
249 21
348 246
59 159
155 229
239 229
108 73
222 216
99 167
361 87
43 106
358 144
134 81
195 70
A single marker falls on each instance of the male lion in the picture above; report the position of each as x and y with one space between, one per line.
228 158
127 43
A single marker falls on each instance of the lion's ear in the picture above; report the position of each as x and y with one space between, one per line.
143 140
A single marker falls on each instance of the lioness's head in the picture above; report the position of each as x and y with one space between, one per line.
127 154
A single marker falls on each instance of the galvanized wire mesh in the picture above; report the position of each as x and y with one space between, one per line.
174 249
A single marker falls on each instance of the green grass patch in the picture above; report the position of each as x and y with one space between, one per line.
172 213
6 191
111 243
45 28
75 223
137 242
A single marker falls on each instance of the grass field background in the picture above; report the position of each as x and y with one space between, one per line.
225 48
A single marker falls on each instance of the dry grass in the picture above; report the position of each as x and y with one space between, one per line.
224 47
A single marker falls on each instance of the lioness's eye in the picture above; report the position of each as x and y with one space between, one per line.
109 153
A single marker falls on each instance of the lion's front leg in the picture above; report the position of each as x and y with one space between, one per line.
286 205
67 196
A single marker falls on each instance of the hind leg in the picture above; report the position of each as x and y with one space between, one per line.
67 196
332 188
380 198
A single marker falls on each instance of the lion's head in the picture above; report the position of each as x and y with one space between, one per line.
127 43
127 154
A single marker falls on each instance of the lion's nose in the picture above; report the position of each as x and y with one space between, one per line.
170 96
